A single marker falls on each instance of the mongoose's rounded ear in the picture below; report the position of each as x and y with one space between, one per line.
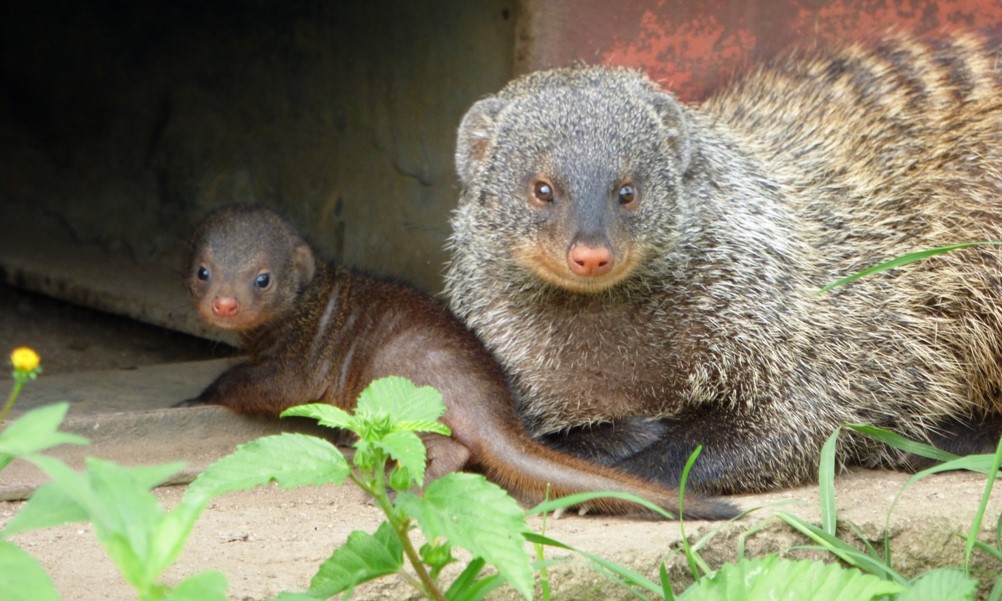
304 262
676 125
476 136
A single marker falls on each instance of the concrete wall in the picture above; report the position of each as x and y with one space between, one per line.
122 122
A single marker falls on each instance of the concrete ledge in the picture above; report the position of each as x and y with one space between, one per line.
126 415
92 277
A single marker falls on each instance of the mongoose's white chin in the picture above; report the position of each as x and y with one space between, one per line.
583 284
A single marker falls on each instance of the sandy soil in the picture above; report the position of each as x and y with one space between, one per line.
268 540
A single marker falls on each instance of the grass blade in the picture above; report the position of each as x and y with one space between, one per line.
826 483
972 535
904 260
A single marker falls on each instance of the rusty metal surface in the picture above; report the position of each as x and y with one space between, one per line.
692 48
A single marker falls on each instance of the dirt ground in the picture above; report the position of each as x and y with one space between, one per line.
269 540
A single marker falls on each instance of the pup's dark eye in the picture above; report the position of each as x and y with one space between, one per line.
262 281
203 273
543 191
627 194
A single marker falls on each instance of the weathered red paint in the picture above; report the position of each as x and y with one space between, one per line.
694 47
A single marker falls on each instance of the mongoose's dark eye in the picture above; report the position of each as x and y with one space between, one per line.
203 273
262 281
543 191
627 194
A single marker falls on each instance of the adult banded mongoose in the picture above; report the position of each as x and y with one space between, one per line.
647 272
319 333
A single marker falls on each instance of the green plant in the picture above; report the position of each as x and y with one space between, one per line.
457 510
138 535
942 584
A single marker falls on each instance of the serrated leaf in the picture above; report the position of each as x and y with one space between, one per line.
944 584
131 515
399 398
172 532
290 460
75 486
406 449
772 578
422 426
22 578
326 415
36 431
48 506
362 558
479 516
207 586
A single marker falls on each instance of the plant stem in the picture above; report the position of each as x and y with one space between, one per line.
431 587
18 383
400 526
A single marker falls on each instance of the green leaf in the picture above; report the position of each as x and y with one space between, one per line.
22 578
326 415
608 568
362 558
841 549
128 519
666 590
972 534
36 431
288 459
466 587
411 408
826 483
75 486
944 584
774 579
900 442
996 592
287 596
581 498
172 532
406 449
48 506
207 586
901 261
472 513
130 516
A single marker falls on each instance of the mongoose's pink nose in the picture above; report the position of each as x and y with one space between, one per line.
225 306
587 260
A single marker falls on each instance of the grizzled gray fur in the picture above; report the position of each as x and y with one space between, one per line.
647 272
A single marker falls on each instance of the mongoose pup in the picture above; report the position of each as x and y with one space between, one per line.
319 333
647 272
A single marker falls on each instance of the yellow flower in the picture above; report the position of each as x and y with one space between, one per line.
24 359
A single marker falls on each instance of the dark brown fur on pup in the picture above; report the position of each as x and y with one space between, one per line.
646 272
319 333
